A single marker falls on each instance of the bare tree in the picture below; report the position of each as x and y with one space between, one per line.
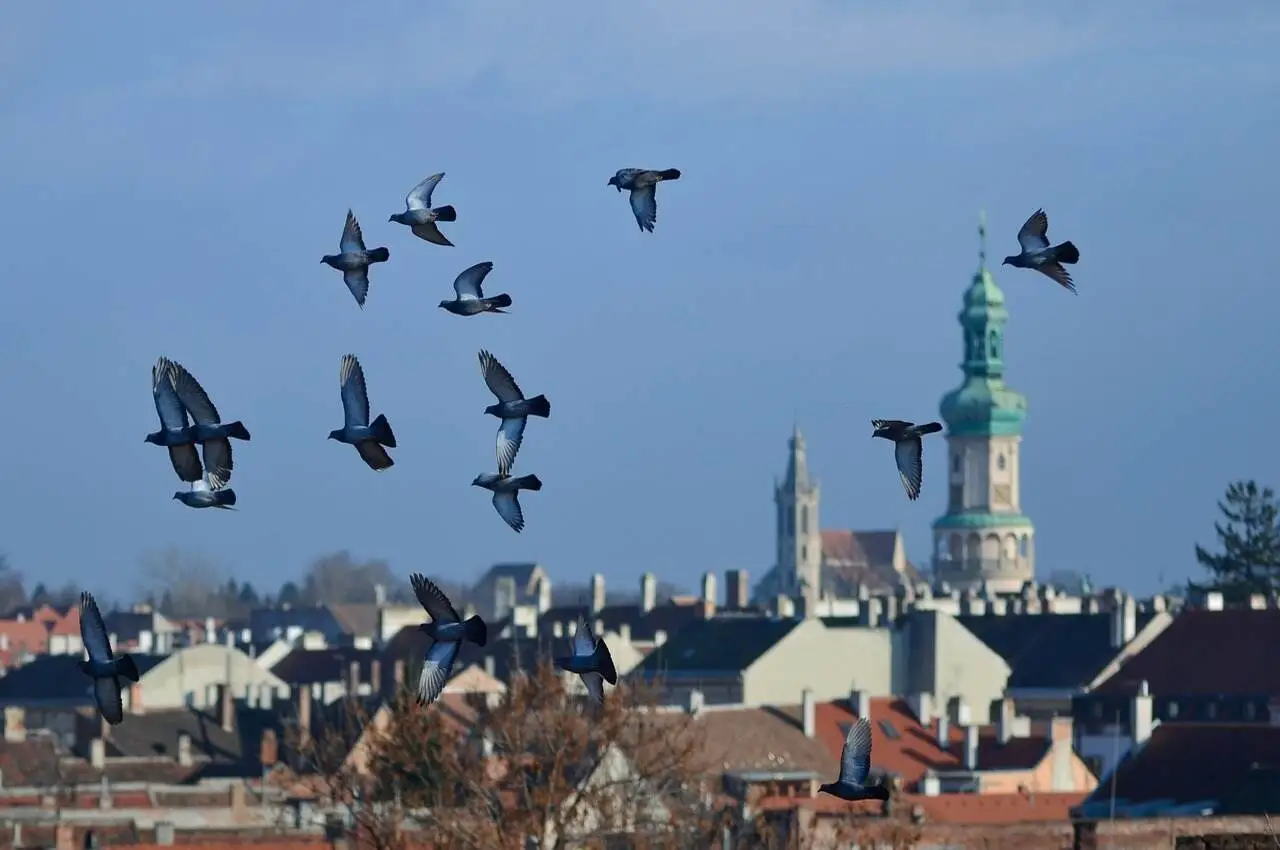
12 592
338 578
191 583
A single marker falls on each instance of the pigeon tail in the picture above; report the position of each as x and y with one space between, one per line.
236 429
475 630
378 255
503 300
604 663
539 406
224 498
128 668
529 482
381 429
1067 253
928 428
669 174
445 213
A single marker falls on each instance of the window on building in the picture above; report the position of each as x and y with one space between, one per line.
1000 462
1024 546
804 553
1171 709
1211 710
1250 711
804 519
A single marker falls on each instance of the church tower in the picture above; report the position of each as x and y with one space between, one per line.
984 538
799 568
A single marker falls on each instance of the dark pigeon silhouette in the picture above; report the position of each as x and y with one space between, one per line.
908 450
590 660
103 666
354 259
512 408
855 766
1036 253
447 631
470 300
368 437
420 217
643 186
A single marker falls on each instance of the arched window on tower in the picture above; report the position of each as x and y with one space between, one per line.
993 345
1000 463
804 519
1024 546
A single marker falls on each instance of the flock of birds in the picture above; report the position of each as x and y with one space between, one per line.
188 418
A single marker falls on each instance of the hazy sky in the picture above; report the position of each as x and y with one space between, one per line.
171 176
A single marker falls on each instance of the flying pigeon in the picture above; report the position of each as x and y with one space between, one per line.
208 492
420 217
590 660
355 259
368 437
506 494
855 765
1036 253
176 433
103 666
907 449
470 296
447 631
643 187
210 431
512 408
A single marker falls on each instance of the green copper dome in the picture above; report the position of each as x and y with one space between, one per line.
982 404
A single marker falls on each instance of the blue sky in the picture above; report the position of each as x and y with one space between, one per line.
172 175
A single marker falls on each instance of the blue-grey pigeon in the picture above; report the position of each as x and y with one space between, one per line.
355 259
368 437
176 433
512 408
1036 253
103 666
208 492
506 494
468 287
855 767
590 660
447 631
210 431
643 184
420 217
908 449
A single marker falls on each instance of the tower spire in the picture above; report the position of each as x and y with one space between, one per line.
982 239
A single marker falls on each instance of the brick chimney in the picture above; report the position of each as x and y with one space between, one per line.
353 678
648 592
135 699
98 753
304 715
375 676
597 593
64 837
737 593
184 749
268 748
709 595
226 709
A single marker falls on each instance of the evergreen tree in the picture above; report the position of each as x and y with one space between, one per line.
1250 539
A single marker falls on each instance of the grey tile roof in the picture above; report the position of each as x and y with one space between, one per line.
726 644
58 678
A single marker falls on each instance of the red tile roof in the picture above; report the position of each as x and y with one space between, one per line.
1199 655
950 808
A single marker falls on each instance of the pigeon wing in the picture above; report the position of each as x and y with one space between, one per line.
93 632
433 600
644 203
584 642
352 241
470 282
908 454
1058 274
507 445
430 231
435 671
106 693
355 397
217 462
173 416
498 379
897 424
855 758
595 686
508 507
357 280
372 453
1034 235
186 462
193 397
419 197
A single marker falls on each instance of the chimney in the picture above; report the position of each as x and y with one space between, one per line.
971 748
266 695
397 673
648 592
597 593
944 731
929 785
380 595
15 723
1140 719
268 748
960 713
98 753
807 713
1213 601
1124 621
490 666
922 707
659 637
557 629
1091 605
375 676
164 833
304 715
624 632
1004 719
237 797
64 836
860 703
210 631
695 702
737 591
184 749
709 595
353 678
784 608
226 709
